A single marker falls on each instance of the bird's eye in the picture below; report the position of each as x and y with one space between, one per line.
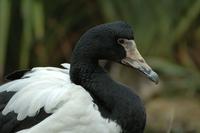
120 41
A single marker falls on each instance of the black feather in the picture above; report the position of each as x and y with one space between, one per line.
16 74
10 124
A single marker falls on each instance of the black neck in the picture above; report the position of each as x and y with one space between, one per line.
95 80
115 101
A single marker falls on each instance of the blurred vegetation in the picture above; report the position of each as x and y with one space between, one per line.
167 32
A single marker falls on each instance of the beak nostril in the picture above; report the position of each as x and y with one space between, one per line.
141 60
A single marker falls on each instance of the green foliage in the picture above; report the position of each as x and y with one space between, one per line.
4 27
50 26
27 32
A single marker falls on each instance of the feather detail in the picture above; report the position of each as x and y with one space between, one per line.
42 87
71 106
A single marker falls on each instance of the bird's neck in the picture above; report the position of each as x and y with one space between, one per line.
115 102
81 72
92 77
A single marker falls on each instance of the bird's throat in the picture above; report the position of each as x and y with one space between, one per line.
96 81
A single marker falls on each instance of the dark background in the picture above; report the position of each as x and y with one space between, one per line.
167 33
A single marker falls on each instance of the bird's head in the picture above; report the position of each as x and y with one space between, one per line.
114 41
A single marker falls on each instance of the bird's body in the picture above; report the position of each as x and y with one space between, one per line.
78 98
69 107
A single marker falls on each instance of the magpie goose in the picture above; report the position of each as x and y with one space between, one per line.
79 97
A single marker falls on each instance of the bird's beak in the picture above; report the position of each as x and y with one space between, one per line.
135 60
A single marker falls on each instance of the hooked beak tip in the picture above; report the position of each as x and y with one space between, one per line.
153 76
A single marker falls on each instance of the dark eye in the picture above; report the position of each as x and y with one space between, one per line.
120 41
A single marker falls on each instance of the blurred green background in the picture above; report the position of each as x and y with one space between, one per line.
167 32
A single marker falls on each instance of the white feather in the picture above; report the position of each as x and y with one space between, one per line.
41 87
78 115
50 88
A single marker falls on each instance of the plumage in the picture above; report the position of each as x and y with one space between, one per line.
50 88
80 97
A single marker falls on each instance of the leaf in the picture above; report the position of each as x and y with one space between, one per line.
4 28
27 9
167 68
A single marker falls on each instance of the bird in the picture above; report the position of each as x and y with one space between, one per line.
79 97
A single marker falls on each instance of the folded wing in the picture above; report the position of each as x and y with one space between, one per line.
42 87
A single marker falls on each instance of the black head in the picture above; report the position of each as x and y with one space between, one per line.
100 42
112 41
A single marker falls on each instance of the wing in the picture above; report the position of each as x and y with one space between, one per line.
16 75
46 101
42 87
